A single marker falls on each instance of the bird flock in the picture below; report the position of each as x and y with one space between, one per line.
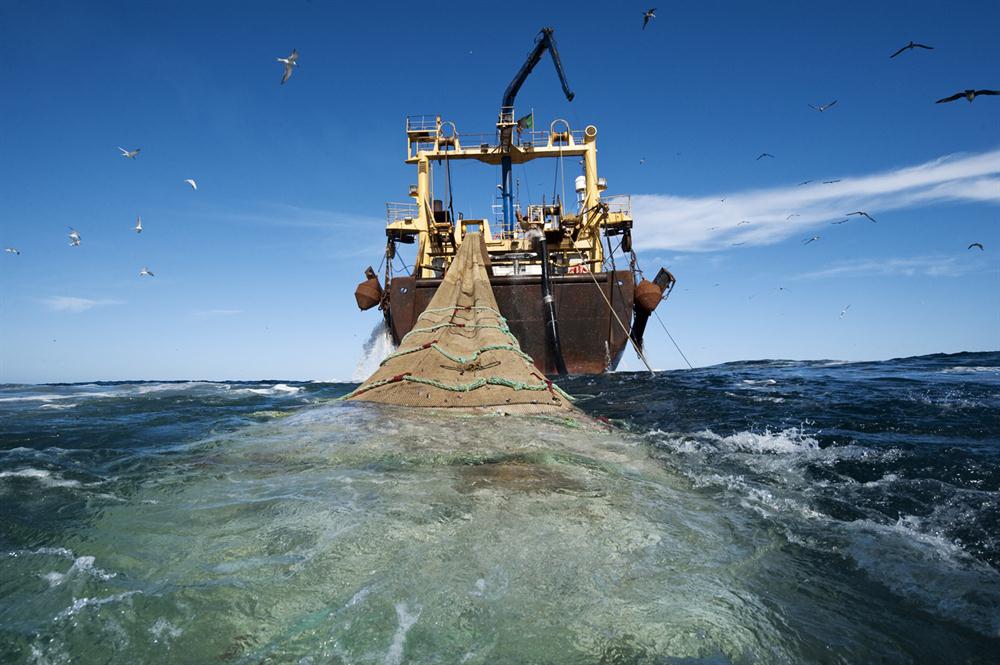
822 108
75 239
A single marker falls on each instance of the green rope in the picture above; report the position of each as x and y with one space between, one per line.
502 328
461 360
464 387
458 307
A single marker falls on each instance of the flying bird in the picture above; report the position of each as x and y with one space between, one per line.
742 222
843 312
794 214
129 154
912 45
138 224
830 182
16 252
737 244
805 182
823 107
863 214
843 221
809 240
646 15
290 63
763 155
74 237
145 273
642 161
191 182
975 244
968 94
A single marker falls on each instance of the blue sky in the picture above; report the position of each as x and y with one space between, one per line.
255 271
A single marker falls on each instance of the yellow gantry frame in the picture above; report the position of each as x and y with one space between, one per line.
425 145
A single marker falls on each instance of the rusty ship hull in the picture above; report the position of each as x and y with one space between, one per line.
592 338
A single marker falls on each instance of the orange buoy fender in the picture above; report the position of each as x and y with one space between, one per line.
369 292
648 295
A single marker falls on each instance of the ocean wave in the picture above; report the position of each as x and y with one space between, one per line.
43 476
970 370
791 440
277 389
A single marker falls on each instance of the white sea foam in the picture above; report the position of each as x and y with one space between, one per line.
971 370
59 406
54 397
790 440
276 389
376 349
80 604
41 475
164 631
406 621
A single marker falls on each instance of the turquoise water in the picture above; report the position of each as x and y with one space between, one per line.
771 512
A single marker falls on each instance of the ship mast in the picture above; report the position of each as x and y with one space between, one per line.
507 122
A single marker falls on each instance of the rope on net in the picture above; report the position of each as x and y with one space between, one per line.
545 384
461 360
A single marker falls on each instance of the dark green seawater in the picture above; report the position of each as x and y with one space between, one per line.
757 512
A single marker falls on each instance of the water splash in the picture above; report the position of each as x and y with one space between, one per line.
376 349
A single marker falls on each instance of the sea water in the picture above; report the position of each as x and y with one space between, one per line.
756 512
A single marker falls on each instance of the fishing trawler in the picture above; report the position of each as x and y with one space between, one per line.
560 289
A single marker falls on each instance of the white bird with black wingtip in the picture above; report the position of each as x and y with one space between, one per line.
290 63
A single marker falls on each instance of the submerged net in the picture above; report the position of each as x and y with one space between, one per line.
461 354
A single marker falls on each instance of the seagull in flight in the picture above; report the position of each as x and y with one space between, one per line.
145 273
16 252
763 155
823 107
975 244
742 222
191 182
290 63
138 224
642 161
74 237
830 182
737 244
646 15
843 221
843 312
968 94
912 45
809 240
129 154
794 214
805 182
863 214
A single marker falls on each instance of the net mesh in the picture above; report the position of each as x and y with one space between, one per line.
460 352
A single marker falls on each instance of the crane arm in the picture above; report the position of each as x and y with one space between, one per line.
544 41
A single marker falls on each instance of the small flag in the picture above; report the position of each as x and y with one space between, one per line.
527 122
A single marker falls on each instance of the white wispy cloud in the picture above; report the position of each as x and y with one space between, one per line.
73 304
218 312
707 223
929 266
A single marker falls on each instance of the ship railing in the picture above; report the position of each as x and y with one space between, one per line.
421 123
488 141
397 212
619 203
